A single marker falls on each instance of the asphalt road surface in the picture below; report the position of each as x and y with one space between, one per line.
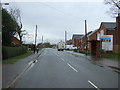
60 69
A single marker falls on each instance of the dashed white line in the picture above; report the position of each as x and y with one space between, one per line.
60 58
93 85
72 67
67 63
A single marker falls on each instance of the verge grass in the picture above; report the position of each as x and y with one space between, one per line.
110 55
15 59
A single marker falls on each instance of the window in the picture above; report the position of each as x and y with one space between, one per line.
98 36
101 32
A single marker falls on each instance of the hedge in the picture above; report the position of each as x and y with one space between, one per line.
8 52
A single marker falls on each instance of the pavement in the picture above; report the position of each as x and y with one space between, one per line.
47 72
113 63
11 71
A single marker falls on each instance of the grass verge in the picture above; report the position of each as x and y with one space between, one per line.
15 59
104 55
110 55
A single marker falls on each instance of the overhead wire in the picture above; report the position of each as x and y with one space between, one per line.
67 14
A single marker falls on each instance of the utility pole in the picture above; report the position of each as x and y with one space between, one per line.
86 35
65 38
35 37
42 39
42 42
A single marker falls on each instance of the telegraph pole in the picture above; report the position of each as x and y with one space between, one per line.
65 38
86 35
42 42
35 37
42 39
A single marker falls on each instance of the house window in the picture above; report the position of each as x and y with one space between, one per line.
98 36
101 32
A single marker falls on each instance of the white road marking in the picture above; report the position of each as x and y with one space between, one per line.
93 85
30 62
67 63
60 57
36 60
72 67
13 82
31 66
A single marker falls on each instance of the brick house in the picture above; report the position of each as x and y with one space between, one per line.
15 41
106 29
83 41
69 42
92 36
76 39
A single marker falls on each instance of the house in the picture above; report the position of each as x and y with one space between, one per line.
97 40
91 36
16 41
69 42
106 37
83 41
76 39
107 31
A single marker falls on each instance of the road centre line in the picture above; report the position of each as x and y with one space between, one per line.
93 85
60 58
67 63
72 67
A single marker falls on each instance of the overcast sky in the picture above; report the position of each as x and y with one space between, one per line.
53 18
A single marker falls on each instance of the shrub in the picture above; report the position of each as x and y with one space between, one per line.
75 50
8 52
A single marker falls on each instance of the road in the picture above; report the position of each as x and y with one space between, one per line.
60 69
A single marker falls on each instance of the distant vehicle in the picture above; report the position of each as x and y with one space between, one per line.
70 47
61 46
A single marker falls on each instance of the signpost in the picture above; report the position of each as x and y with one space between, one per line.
107 42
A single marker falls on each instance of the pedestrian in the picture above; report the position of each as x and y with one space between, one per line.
37 50
34 49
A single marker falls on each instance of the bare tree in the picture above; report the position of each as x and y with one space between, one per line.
16 15
115 7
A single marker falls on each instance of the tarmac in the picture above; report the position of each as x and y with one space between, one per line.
112 63
10 72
